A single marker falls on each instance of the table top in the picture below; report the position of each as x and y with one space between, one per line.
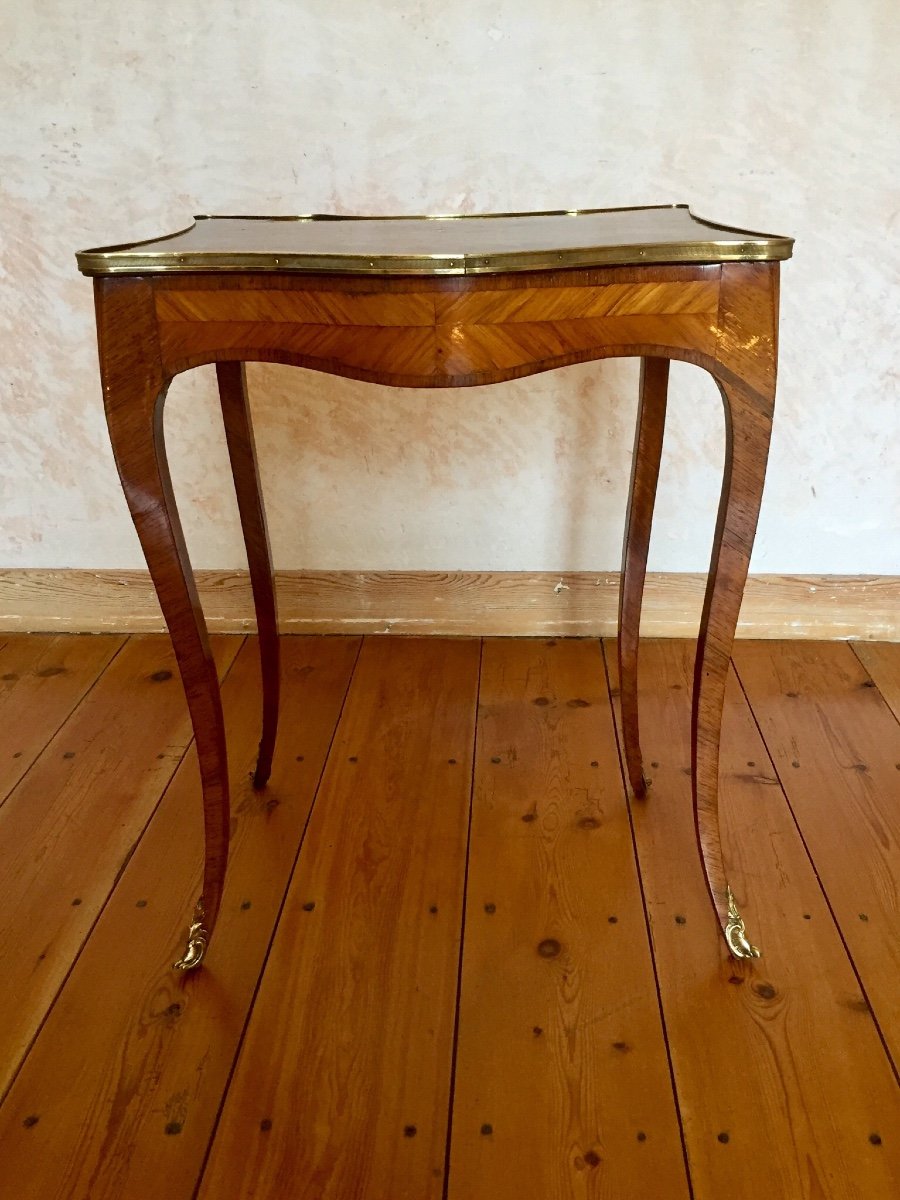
440 245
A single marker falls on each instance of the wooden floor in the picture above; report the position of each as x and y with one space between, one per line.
452 961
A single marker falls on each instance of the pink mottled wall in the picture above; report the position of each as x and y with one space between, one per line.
120 120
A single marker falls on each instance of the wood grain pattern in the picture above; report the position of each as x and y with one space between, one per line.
505 306
747 326
745 373
784 1086
882 662
780 1072
438 334
232 381
515 603
645 460
832 736
127 1073
342 1085
41 681
134 392
72 822
561 1065
434 307
275 306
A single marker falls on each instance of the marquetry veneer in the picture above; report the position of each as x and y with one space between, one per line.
441 302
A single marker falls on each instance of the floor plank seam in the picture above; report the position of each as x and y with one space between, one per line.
884 700
75 707
101 909
370 1057
640 879
445 1190
214 1129
837 924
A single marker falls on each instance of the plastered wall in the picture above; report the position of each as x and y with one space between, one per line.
121 120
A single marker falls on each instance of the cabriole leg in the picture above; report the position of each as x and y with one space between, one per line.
648 443
232 380
134 389
748 420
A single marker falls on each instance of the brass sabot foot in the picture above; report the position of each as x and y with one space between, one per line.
735 933
197 940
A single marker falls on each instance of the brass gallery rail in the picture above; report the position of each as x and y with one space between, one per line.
442 302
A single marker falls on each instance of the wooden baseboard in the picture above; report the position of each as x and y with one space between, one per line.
454 602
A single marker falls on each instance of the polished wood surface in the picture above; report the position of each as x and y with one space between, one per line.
232 380
440 245
782 1079
134 392
648 444
441 331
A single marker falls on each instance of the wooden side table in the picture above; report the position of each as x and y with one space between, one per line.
441 302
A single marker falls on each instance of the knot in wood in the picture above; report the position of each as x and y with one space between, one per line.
549 948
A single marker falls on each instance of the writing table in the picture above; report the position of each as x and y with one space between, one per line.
441 302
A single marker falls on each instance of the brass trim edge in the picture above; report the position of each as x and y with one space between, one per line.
117 260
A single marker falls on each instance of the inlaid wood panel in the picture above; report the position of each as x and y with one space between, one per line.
479 349
747 325
481 307
296 307
343 349
500 307
439 334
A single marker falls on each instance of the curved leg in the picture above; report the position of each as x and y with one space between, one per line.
232 378
648 441
134 390
748 422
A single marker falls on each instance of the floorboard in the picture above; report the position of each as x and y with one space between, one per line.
779 1068
124 1106
562 1078
42 678
882 661
69 827
835 745
343 1081
452 962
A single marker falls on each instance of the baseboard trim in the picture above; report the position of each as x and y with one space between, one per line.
455 602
